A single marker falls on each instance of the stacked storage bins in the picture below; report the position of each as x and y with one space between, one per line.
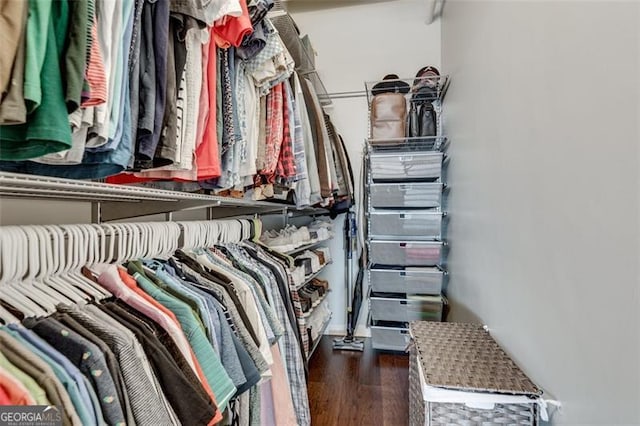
406 228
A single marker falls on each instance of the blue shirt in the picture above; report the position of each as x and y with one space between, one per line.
67 373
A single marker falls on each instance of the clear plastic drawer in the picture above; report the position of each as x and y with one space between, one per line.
408 280
415 225
413 253
406 166
403 308
390 336
406 195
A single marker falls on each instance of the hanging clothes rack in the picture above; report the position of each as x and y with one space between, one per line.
21 247
73 270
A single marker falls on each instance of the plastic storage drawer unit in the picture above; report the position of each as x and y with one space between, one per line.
391 225
406 166
389 336
408 280
413 253
406 195
401 308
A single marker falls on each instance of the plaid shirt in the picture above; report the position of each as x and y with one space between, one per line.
286 167
275 128
289 345
240 269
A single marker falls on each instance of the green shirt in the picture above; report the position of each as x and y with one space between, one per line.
47 128
39 18
34 389
75 55
217 377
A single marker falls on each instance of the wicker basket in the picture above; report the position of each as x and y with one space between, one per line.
464 357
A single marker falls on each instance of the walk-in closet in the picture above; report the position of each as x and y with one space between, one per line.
319 212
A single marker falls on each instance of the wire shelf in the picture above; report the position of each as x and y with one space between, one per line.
307 314
126 201
420 143
323 329
432 88
309 278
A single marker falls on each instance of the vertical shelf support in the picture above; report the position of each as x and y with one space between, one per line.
96 212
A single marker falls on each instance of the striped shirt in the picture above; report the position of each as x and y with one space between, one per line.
148 407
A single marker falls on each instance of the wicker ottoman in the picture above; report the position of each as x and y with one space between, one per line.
458 375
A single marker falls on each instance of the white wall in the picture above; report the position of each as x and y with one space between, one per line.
358 41
543 114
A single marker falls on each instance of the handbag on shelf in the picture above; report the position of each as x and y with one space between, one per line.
422 120
388 117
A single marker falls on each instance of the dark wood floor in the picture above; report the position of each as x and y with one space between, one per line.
358 388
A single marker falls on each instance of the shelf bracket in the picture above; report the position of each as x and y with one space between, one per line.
96 212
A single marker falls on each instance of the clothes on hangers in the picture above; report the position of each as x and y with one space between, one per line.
222 325
184 91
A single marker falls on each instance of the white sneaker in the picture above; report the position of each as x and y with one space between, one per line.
303 235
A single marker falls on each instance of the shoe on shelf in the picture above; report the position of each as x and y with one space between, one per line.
310 293
326 252
303 235
305 303
320 255
319 282
305 263
298 275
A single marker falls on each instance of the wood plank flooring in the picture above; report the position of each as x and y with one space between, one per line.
358 388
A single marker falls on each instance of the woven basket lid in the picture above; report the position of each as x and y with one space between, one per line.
462 356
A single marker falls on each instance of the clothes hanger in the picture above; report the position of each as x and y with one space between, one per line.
99 237
227 232
79 254
16 254
115 244
148 241
121 243
62 256
8 267
7 317
244 228
171 241
46 263
140 240
40 294
106 254
87 257
14 288
188 234
129 242
77 258
152 239
133 240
